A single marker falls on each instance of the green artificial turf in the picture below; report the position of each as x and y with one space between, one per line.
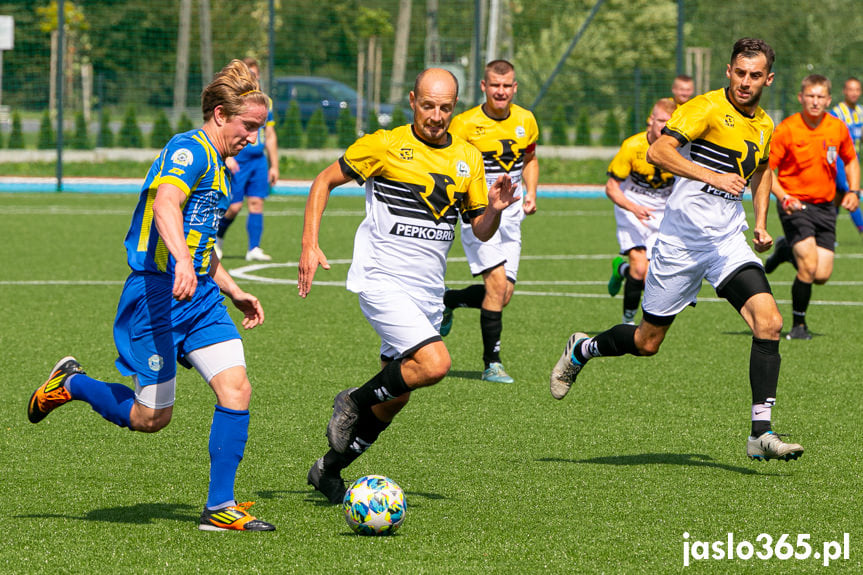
498 478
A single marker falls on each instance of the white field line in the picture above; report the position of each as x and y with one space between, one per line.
250 273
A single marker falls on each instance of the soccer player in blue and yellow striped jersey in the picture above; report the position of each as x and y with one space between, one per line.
850 112
172 309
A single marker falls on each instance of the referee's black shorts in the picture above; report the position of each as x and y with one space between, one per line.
816 220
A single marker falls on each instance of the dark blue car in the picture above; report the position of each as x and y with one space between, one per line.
331 96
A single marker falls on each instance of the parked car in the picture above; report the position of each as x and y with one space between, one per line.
331 96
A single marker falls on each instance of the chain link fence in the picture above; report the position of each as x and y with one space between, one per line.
132 71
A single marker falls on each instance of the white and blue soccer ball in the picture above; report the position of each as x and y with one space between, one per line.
374 505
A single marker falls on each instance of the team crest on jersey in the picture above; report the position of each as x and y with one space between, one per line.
508 154
406 153
519 132
462 170
155 362
729 120
183 157
479 131
831 154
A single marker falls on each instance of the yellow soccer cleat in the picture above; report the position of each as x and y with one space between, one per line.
52 394
233 518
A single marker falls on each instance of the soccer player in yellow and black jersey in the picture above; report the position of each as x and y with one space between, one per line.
715 144
506 134
639 191
418 179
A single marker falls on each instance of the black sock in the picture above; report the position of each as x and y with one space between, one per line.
801 293
471 296
369 428
387 384
764 363
613 342
759 428
632 289
224 224
491 325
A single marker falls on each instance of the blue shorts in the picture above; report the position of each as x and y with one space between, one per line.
152 328
252 179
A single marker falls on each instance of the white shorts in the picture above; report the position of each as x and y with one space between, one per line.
504 247
675 274
403 323
209 361
633 233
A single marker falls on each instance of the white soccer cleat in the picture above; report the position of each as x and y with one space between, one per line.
565 370
256 254
769 446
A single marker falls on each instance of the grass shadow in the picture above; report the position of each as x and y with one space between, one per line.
317 498
465 374
138 514
689 459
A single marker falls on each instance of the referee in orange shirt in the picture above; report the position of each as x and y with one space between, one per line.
803 152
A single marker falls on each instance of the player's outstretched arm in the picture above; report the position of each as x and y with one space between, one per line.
663 153
272 148
312 256
788 202
168 218
500 195
253 312
852 170
529 182
616 195
762 184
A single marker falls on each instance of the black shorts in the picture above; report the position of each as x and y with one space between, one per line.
816 220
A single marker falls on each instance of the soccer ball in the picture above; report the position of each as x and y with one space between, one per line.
374 505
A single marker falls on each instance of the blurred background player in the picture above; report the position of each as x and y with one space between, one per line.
171 307
419 179
255 170
715 144
506 134
682 89
639 191
804 152
850 112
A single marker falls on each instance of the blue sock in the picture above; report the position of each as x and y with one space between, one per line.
857 218
255 229
112 401
228 435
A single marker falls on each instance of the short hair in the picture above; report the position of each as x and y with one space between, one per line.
666 105
851 79
815 80
423 73
499 67
232 88
251 62
750 48
684 78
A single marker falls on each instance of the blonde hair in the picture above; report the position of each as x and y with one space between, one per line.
816 80
232 89
667 105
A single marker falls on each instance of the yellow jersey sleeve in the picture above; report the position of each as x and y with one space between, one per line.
621 165
365 158
691 120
